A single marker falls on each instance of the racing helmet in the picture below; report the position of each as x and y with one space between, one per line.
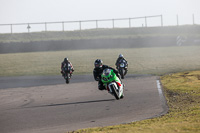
98 63
121 56
108 75
66 59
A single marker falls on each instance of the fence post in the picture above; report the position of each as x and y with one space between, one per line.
145 21
11 28
161 20
129 23
96 24
177 20
28 27
45 26
113 24
193 19
80 24
63 26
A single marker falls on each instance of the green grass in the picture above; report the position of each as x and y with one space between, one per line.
188 30
182 91
156 61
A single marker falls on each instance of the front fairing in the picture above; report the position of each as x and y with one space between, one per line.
122 63
106 79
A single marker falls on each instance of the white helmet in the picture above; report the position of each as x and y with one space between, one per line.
121 56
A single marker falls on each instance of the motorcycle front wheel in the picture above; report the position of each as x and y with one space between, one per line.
115 92
67 78
121 72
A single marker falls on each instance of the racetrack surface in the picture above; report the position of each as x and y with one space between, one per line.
45 104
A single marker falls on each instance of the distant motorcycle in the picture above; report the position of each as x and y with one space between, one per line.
122 68
67 73
112 83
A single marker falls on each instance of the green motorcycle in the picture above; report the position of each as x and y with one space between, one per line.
112 83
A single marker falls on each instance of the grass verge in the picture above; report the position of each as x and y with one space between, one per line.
157 61
182 91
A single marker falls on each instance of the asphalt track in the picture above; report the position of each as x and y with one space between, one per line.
45 104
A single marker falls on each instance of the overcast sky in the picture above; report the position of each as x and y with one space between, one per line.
30 11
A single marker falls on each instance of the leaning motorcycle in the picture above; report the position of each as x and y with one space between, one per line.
112 83
67 73
122 68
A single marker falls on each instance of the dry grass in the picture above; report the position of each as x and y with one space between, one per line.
183 115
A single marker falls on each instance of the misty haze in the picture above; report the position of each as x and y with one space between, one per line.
99 66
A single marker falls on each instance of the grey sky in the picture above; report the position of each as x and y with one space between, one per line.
30 11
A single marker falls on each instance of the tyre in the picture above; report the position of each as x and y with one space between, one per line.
115 92
121 73
122 96
67 78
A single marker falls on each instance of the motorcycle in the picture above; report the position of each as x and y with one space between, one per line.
122 68
67 73
112 83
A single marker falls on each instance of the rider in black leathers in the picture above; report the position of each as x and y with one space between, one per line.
99 67
121 57
65 63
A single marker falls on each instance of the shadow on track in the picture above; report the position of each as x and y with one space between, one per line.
62 104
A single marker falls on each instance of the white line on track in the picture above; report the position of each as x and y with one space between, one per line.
159 89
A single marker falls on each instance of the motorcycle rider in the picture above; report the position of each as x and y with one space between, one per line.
99 67
64 64
121 57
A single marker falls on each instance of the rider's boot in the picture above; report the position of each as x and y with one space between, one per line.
62 73
125 72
